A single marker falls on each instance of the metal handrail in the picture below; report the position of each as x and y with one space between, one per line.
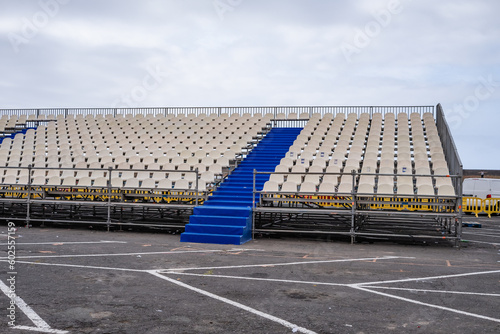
195 111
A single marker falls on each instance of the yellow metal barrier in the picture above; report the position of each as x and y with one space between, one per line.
477 205
472 205
491 205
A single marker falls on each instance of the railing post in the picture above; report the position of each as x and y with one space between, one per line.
353 207
28 203
253 203
458 221
108 222
196 187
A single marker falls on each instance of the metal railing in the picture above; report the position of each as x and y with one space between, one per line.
195 111
405 215
108 196
450 150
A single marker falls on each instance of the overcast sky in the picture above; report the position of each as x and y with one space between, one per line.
89 53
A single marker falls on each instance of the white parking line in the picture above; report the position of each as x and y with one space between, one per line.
436 291
67 242
428 278
253 278
288 263
359 287
280 321
481 242
40 330
113 254
40 324
492 235
78 266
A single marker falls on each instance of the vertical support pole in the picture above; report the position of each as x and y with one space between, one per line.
108 222
458 220
28 201
196 187
353 208
253 203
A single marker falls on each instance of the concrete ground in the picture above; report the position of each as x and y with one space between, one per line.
88 281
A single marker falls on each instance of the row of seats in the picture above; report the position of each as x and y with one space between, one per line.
326 143
292 185
207 143
393 144
170 181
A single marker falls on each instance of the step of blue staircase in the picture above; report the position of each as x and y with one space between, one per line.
226 217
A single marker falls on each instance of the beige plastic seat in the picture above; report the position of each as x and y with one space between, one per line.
344 188
295 178
441 171
216 168
440 181
278 178
405 189
423 181
327 188
308 187
312 179
365 188
367 179
84 181
282 169
69 181
116 182
208 177
439 164
191 177
319 162
131 184
331 178
174 176
425 190
385 189
289 187
165 184
182 184
287 161
446 190
148 184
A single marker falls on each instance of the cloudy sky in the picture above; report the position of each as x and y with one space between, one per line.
76 53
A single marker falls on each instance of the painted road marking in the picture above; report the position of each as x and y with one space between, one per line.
78 266
493 235
67 242
280 321
254 278
359 287
437 291
114 254
429 278
482 242
288 263
40 324
40 330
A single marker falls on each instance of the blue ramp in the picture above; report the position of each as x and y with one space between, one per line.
226 217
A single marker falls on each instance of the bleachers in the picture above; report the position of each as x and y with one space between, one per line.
168 147
360 162
380 147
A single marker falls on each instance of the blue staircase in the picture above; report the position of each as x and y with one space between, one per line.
226 217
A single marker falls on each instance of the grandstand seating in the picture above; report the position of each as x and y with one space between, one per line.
388 144
207 143
173 159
